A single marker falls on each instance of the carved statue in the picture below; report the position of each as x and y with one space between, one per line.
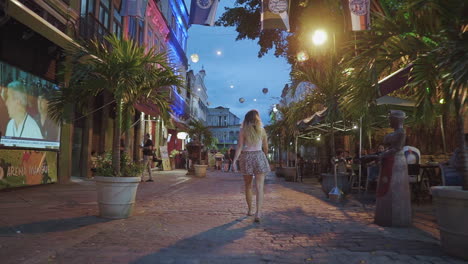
393 205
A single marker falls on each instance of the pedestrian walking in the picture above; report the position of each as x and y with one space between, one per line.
251 151
219 160
232 154
148 155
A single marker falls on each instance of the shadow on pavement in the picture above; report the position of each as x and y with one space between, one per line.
202 244
55 225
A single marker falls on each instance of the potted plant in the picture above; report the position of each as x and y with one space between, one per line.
201 136
116 195
129 73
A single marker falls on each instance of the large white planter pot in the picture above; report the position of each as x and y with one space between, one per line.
116 196
451 204
200 170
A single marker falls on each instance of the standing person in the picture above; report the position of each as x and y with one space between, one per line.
232 154
253 162
148 155
219 160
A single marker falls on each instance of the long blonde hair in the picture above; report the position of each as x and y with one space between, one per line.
252 127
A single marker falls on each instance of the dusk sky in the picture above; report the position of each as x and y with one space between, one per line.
238 66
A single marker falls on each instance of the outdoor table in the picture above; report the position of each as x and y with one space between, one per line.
430 176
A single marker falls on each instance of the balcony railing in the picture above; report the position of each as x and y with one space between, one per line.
40 11
91 28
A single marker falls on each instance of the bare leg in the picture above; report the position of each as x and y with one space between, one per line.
259 182
248 192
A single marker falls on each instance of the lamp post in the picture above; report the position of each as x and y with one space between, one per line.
319 37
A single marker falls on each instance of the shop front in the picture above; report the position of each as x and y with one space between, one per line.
29 139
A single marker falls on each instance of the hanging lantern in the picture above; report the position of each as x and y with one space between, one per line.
241 100
194 57
265 90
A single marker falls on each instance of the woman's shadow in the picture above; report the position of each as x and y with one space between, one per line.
199 245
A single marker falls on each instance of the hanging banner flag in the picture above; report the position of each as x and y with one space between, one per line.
203 12
134 8
275 14
360 14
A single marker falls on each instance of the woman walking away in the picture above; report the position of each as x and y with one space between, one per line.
251 151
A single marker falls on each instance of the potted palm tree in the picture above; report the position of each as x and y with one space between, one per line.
201 136
129 73
431 35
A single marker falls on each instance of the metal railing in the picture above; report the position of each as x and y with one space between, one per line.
92 28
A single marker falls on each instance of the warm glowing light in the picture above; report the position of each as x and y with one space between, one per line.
318 139
442 101
302 56
319 37
354 127
194 57
182 135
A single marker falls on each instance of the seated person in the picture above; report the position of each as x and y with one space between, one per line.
339 161
157 160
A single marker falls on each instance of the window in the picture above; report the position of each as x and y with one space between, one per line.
87 7
117 23
132 28
104 13
141 32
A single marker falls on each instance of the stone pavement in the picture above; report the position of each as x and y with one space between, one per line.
182 219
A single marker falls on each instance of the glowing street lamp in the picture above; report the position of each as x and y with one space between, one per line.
319 37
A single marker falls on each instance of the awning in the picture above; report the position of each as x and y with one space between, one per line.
317 117
391 100
394 81
26 16
178 124
148 108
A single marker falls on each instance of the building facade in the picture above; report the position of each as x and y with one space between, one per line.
197 94
33 35
224 125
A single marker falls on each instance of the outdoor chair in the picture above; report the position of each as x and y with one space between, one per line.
413 173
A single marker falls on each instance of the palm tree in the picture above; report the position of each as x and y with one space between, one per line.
201 135
432 35
328 77
120 67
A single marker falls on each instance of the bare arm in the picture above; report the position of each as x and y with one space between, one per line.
240 144
265 143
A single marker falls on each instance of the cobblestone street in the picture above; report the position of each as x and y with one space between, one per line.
182 219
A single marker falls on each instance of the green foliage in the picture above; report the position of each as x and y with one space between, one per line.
200 133
128 168
174 153
127 71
